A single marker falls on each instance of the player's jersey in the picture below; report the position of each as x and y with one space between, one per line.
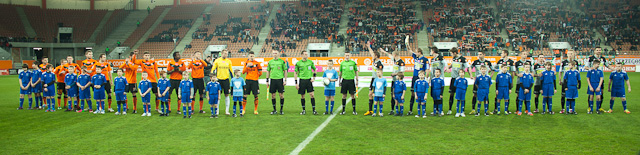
35 76
120 84
458 64
237 84
526 81
186 87
504 61
163 85
98 79
144 86
76 69
572 78
539 68
106 69
421 86
43 67
520 66
223 69
399 86
173 65
305 69
213 88
25 76
49 78
504 80
70 80
60 72
380 87
149 67
331 74
594 76
130 71
348 69
377 65
617 80
254 71
437 87
398 65
461 84
477 63
437 62
197 68
603 61
83 79
419 64
548 77
484 82
565 65
89 63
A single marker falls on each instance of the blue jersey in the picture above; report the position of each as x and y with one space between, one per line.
213 88
526 80
380 86
185 88
461 84
70 80
238 86
572 78
50 79
163 85
483 82
25 76
437 88
617 80
120 84
399 86
83 79
419 64
421 86
36 74
98 79
504 80
594 76
548 77
144 86
331 74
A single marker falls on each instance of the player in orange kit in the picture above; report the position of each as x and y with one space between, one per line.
253 69
197 74
175 69
131 73
150 67
60 73
106 71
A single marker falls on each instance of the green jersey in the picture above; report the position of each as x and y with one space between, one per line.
276 68
305 69
348 69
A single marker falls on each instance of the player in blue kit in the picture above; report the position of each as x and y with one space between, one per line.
330 89
399 89
617 79
572 81
595 79
437 88
120 84
71 87
99 81
49 91
483 82
421 87
237 84
84 92
145 88
461 85
163 89
504 83
379 93
36 85
24 79
213 91
186 89
548 79
420 63
526 83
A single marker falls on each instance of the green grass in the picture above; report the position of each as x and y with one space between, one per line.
37 132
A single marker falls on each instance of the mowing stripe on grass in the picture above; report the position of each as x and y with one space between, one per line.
315 132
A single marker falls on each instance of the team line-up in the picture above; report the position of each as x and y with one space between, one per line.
74 83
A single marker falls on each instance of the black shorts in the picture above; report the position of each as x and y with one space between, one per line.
452 87
224 84
348 86
251 87
276 85
131 88
536 89
198 86
154 88
305 86
371 84
564 85
107 87
60 86
175 85
413 81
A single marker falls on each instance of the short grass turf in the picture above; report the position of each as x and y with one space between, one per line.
37 132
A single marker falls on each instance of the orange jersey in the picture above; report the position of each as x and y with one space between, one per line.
43 67
181 67
60 72
253 72
130 71
197 68
106 69
76 70
89 63
150 67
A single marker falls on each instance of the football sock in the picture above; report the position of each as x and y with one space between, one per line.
375 108
424 109
401 109
81 104
69 105
536 101
473 102
624 104
162 107
440 105
184 108
599 104
462 107
202 103
255 103
227 104
30 102
411 101
591 105
486 106
244 103
562 101
21 102
302 103
313 103
273 102
519 105
380 108
393 103
109 100
326 106
458 107
331 106
119 107
281 104
344 104
528 103
234 107
506 105
544 103
353 104
370 104
419 109
550 102
498 106
451 101
215 109
212 111
90 104
611 104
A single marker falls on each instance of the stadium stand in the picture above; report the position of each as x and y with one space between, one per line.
144 26
45 22
173 26
11 25
116 17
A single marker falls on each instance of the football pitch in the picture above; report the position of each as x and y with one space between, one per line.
37 132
